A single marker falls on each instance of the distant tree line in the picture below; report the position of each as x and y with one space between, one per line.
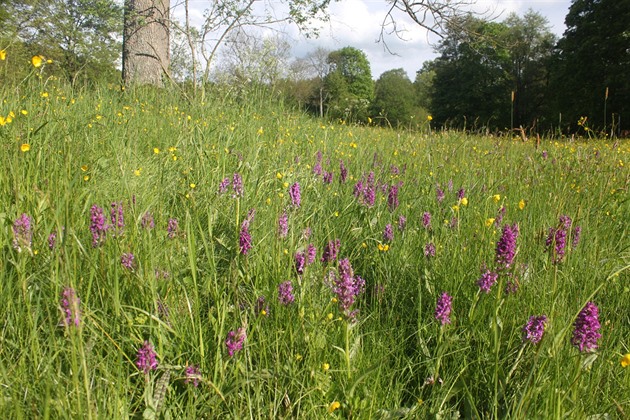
488 75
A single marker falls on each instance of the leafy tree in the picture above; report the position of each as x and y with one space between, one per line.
393 98
81 36
349 84
593 56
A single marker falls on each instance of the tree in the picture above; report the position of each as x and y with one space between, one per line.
349 84
80 36
593 59
146 54
393 98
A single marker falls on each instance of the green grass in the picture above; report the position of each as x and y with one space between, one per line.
394 360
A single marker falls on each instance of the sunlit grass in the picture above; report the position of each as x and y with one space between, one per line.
188 284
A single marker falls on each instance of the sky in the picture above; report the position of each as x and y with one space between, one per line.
357 23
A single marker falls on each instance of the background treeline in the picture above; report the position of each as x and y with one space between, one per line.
488 75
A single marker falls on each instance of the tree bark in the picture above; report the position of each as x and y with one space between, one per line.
146 56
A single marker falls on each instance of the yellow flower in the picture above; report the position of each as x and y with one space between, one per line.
2 121
3 54
84 168
429 118
44 94
333 406
263 312
37 61
489 221
193 185
25 147
260 131
329 316
325 367
86 178
625 360
156 150
24 112
173 149
383 248
137 172
521 204
464 201
455 207
285 185
279 175
496 198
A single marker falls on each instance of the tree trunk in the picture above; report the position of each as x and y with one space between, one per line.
146 41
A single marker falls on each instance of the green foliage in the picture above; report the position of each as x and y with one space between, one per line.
152 150
349 84
393 98
592 56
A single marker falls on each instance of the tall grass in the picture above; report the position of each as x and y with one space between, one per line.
154 151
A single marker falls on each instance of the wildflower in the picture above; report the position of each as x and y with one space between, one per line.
343 172
506 246
325 367
52 239
487 280
244 240
557 237
311 254
500 214
156 150
234 341
534 329
521 204
443 308
429 250
439 194
402 223
127 261
223 186
3 55
388 233
283 225
193 375
461 193
22 232
346 285
172 228
146 359
392 198
586 328
576 236
489 222
25 147
464 201
70 307
625 360
328 177
116 217
426 220
285 293
261 307
335 405
331 250
237 185
300 262
147 221
294 193
37 61
382 247
429 118
98 227
496 198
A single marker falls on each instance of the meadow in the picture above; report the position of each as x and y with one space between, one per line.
228 257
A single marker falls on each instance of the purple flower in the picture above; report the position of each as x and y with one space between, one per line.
98 227
244 241
52 238
343 172
172 228
500 214
439 194
586 328
70 307
294 193
317 169
311 254
193 375
117 218
576 236
285 293
402 223
300 262
237 185
392 198
328 177
443 308
234 341
146 359
544 154
426 220
346 285
147 221
534 329
506 246
450 184
461 193
127 261
388 233
487 280
558 238
283 225
331 250
22 232
223 186
429 250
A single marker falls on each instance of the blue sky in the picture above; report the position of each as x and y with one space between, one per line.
357 23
